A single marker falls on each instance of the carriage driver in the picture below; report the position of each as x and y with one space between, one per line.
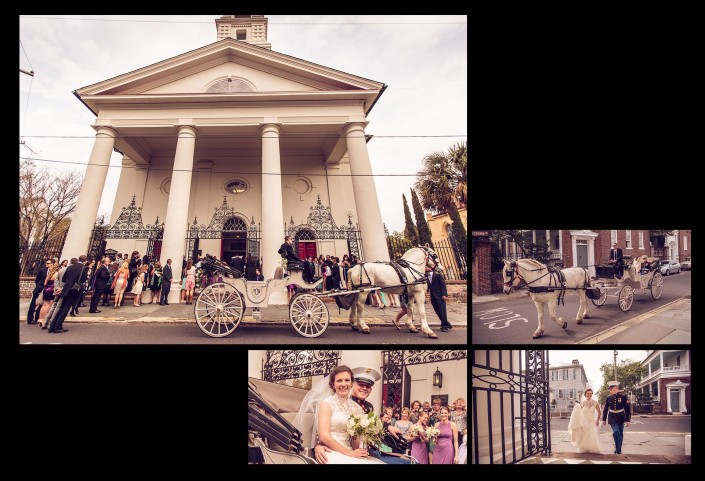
287 251
616 258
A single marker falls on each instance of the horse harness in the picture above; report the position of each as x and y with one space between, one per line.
398 266
556 281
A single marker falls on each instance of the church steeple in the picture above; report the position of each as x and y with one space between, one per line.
247 28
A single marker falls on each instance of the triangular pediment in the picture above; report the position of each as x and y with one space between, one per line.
255 69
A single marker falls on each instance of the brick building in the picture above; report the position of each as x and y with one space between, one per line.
481 264
667 381
572 248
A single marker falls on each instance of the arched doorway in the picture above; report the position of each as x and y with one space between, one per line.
234 239
305 240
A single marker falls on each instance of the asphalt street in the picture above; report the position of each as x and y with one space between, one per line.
513 319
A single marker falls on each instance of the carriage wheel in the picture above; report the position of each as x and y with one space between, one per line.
219 309
626 298
308 315
602 299
657 285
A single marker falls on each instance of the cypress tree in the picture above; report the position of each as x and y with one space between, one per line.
410 231
421 224
459 233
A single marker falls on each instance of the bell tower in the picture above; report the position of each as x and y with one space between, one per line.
246 28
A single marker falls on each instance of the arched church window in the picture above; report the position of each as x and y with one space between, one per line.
230 85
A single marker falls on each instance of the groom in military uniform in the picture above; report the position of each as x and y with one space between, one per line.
363 380
618 413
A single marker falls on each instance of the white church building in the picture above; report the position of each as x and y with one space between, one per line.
227 149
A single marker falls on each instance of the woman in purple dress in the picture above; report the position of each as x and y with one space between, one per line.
419 448
446 450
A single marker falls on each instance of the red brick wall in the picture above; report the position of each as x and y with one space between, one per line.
663 393
682 254
26 287
603 245
482 268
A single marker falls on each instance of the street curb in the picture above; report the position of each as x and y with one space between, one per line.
607 333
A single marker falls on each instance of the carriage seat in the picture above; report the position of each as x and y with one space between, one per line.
294 266
279 272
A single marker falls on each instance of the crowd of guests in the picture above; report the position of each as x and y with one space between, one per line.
449 447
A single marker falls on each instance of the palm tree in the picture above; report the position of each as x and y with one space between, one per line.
443 179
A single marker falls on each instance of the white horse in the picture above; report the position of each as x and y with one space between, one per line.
538 277
383 275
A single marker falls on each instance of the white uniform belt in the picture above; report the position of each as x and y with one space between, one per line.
618 411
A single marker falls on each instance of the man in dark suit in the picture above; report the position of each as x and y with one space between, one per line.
439 296
33 312
238 263
167 276
616 258
100 282
68 295
79 299
287 251
617 412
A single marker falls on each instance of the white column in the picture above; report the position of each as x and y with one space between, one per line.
369 217
353 358
176 219
88 201
272 208
254 363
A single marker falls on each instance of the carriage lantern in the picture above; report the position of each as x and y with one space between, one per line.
438 378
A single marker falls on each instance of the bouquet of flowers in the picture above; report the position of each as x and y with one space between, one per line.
367 426
414 430
432 432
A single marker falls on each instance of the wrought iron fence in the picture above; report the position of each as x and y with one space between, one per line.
453 258
32 256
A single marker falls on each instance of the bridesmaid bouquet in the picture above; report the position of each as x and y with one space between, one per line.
414 430
432 432
368 426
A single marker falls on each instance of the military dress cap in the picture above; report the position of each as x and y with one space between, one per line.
613 383
366 375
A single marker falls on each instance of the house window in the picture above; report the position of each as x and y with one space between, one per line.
641 239
241 35
560 394
678 361
613 236
654 388
570 394
573 373
629 239
685 243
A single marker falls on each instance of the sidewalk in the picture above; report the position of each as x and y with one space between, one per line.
184 313
637 448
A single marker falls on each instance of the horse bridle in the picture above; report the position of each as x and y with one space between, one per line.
430 253
511 272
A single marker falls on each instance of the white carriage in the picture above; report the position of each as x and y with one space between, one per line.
220 307
606 284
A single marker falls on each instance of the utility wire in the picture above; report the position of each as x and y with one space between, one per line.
219 171
209 22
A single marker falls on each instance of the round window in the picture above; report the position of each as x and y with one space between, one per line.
302 185
236 186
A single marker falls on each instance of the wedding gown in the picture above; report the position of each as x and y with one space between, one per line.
341 410
582 428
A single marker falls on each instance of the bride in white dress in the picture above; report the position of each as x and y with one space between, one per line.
331 416
583 425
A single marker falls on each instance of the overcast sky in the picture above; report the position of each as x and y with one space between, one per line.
592 360
422 59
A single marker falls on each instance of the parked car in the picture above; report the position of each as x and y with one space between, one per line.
685 265
668 267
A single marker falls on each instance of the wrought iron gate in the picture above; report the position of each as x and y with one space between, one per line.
290 364
127 226
321 226
510 405
395 379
